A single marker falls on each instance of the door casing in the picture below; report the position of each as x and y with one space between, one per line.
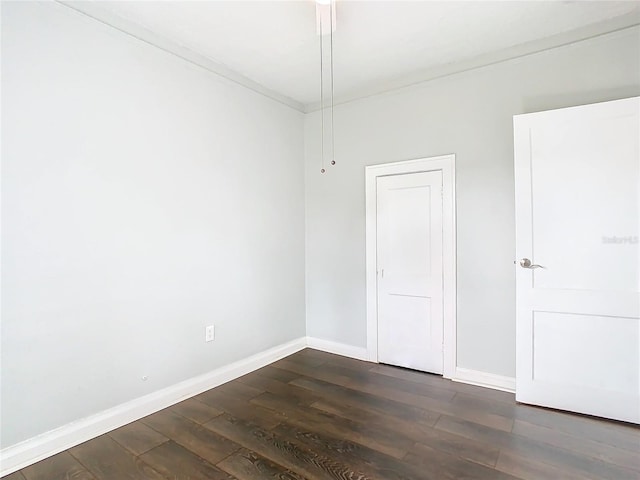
446 164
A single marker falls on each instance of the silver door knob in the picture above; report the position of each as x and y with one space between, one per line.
526 263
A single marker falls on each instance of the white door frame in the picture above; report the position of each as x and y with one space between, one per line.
445 163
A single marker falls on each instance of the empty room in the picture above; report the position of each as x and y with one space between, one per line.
320 239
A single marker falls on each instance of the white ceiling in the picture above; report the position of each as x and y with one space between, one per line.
376 43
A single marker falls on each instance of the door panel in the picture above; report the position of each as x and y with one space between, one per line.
554 358
577 215
574 229
409 259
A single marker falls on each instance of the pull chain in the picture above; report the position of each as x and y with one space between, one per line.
322 170
333 154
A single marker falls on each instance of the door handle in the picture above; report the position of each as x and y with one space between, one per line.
526 263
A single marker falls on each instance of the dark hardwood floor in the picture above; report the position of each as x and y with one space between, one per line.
320 416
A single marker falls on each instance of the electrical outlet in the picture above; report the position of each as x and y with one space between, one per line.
209 334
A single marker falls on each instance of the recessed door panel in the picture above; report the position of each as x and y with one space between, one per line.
569 349
585 219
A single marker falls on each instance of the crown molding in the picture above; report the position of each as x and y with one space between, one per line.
616 24
94 11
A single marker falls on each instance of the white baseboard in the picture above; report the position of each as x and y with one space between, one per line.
462 375
484 379
18 456
359 353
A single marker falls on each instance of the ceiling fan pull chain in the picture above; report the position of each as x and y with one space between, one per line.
333 149
322 170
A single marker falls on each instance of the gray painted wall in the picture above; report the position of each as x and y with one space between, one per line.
469 114
143 198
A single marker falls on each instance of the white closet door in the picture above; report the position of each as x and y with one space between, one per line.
409 259
577 215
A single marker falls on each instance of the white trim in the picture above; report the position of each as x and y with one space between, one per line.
461 375
445 163
612 25
26 453
18 456
484 379
514 53
96 12
359 353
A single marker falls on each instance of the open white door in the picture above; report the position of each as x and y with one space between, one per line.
577 216
409 260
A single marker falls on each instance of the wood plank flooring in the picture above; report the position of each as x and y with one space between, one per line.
319 416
